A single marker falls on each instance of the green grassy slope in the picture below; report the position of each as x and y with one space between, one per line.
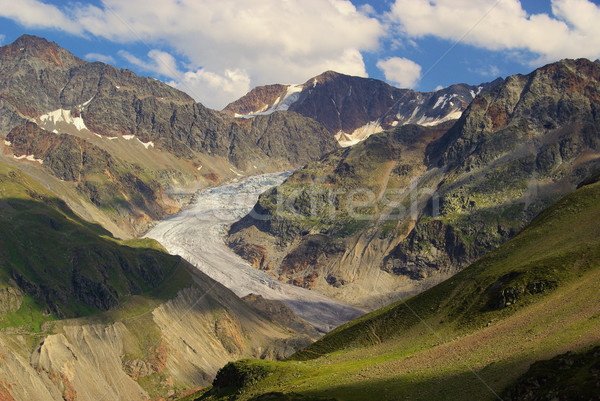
55 265
469 337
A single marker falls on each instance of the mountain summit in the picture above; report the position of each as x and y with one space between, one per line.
353 108
29 46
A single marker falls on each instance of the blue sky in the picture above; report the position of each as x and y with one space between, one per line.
217 50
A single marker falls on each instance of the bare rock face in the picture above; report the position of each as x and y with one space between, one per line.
11 299
98 176
430 200
257 100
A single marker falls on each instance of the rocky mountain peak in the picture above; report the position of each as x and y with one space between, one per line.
40 48
257 99
325 77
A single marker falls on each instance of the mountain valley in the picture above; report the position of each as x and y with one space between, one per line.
152 248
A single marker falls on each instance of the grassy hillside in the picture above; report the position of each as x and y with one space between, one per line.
469 337
54 265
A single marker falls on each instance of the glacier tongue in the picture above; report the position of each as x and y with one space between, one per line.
197 234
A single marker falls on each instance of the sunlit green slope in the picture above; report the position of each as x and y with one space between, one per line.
470 337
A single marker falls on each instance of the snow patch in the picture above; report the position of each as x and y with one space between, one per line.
31 158
414 113
236 173
112 138
199 168
359 134
451 116
86 103
98 135
7 143
146 144
442 100
128 137
63 116
473 94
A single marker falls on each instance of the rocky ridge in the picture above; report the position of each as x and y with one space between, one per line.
352 108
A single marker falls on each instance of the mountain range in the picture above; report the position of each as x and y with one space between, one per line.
174 142
177 143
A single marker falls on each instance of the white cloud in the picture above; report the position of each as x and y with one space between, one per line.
489 70
159 62
571 31
218 88
270 40
221 89
402 72
100 57
36 14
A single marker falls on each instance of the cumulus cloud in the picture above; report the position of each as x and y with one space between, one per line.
36 14
219 88
400 71
571 31
159 62
100 57
269 40
214 87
